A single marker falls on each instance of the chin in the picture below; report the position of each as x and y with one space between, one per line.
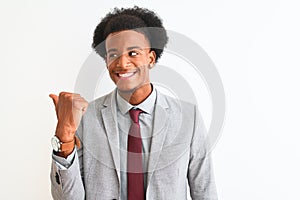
130 87
125 89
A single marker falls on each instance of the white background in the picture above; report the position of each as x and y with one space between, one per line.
254 45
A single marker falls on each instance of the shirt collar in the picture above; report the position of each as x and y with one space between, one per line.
147 105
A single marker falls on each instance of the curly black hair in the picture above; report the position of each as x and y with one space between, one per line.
140 19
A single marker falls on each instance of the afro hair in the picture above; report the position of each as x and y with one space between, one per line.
140 19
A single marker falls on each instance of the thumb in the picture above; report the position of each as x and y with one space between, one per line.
54 98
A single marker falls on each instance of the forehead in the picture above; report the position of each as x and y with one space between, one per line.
124 39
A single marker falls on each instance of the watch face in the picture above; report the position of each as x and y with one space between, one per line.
55 144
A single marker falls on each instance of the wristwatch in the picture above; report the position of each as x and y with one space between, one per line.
59 146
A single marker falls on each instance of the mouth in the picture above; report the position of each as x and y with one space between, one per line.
125 75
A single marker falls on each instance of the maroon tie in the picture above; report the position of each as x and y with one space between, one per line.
135 176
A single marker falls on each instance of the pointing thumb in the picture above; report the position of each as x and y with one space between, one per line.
54 98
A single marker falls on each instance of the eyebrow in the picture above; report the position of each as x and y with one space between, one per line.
134 47
110 50
128 49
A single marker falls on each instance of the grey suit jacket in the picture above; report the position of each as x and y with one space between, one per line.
177 155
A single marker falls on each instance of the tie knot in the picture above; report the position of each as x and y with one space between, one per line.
134 114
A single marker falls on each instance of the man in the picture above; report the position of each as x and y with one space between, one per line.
136 143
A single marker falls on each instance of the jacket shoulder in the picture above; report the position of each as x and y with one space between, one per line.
100 101
175 103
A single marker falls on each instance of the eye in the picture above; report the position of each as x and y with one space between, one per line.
112 55
133 53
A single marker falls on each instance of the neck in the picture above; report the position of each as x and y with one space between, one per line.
138 95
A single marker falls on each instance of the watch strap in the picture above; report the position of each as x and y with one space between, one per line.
66 146
77 141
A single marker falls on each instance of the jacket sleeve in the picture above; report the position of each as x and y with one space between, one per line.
200 171
67 183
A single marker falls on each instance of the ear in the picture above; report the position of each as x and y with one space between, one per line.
152 58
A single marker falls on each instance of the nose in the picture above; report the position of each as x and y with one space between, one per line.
123 61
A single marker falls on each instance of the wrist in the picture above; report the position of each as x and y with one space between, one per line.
64 148
65 133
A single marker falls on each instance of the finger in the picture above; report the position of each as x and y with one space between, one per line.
83 109
54 98
76 97
69 96
65 94
86 104
80 106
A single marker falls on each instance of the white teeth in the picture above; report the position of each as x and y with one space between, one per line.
126 74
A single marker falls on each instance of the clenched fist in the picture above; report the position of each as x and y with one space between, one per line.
69 109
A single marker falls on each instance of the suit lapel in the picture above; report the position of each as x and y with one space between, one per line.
109 116
159 133
160 127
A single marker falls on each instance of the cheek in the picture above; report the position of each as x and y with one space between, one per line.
111 74
144 70
111 67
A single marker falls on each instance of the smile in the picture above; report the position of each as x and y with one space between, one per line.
126 75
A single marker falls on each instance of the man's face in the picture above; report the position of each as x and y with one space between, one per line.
128 59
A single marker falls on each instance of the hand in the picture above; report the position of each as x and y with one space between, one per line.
69 110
